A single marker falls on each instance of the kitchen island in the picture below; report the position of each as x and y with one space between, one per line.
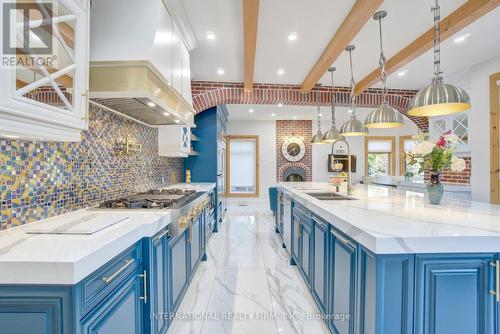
392 262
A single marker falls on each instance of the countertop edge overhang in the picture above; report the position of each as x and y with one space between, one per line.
391 221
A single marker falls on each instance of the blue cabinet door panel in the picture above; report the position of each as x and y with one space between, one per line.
452 294
305 251
158 287
178 270
36 310
395 295
121 312
343 279
319 268
194 238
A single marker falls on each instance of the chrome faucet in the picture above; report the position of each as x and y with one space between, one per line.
349 176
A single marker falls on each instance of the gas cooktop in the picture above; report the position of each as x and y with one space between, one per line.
151 199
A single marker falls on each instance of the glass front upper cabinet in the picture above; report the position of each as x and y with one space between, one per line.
44 74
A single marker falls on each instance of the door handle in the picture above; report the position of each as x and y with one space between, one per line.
109 279
496 292
341 239
145 278
158 237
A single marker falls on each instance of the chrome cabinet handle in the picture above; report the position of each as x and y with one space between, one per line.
190 233
341 239
109 279
158 237
496 292
145 278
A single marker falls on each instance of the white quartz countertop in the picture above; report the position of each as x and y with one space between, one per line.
391 221
68 258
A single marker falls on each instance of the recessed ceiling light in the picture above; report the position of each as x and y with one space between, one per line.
462 38
281 71
250 111
220 71
294 117
292 36
320 115
280 105
177 121
273 114
350 111
166 114
210 36
151 104
402 73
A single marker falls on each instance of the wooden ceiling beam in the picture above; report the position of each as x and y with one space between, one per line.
459 19
360 13
250 23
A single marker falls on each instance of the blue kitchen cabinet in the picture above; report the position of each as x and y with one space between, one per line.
305 249
121 311
157 306
195 243
385 293
295 239
178 259
453 294
319 268
342 280
210 163
36 310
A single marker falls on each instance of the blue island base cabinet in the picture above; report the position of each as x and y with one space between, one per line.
364 293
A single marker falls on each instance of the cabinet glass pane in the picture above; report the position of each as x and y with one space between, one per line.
59 93
438 127
47 94
460 128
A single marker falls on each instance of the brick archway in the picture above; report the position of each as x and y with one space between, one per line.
208 94
306 168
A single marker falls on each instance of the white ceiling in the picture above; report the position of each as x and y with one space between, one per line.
315 22
238 112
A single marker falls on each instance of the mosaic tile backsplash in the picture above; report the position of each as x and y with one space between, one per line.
44 179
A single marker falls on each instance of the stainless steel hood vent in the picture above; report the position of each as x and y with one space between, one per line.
138 90
139 109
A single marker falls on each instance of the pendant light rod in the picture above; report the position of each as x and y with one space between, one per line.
437 43
383 75
349 49
319 110
331 70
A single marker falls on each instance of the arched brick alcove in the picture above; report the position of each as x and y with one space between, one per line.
207 94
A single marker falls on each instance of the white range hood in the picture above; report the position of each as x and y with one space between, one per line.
139 65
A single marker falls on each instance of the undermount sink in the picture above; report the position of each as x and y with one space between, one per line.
330 196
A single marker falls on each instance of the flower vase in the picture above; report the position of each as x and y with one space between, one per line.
435 189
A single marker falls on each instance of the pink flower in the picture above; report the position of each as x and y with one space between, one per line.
441 142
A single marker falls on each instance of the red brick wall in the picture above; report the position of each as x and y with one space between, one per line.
207 94
462 178
301 128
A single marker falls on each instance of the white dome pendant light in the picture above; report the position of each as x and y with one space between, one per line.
384 116
438 98
353 127
318 137
333 134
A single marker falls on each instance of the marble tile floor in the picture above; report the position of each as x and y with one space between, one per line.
247 285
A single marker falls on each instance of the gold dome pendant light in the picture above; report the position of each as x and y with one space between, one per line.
384 116
318 137
438 98
333 134
353 127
